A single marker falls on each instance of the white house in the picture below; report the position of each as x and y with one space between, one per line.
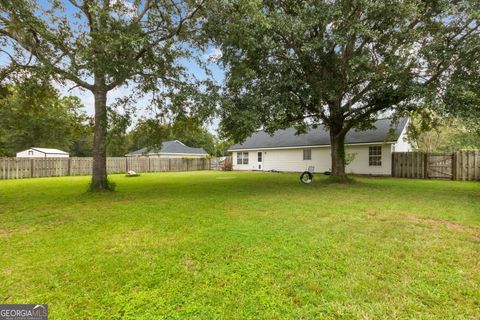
42 153
371 150
170 149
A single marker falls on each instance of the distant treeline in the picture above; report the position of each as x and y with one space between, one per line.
35 114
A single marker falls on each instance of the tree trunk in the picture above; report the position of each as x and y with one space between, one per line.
99 171
337 141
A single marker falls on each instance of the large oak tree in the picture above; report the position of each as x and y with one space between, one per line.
461 97
99 45
339 62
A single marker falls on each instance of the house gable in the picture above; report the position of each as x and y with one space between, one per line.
172 148
42 153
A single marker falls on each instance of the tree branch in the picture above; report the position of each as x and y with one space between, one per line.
172 34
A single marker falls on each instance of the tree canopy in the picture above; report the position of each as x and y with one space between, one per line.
32 114
461 94
338 63
435 132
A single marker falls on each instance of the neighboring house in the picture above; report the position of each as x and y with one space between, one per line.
371 150
42 153
170 149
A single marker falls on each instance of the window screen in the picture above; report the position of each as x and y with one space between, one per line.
245 158
375 156
239 157
307 154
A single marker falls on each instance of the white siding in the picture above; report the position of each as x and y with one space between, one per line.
402 144
31 153
291 160
252 161
360 163
56 155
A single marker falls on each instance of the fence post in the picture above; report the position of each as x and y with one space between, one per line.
126 164
454 166
425 165
69 165
31 168
393 164
169 164
476 166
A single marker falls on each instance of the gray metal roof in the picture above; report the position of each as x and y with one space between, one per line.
384 131
48 150
169 147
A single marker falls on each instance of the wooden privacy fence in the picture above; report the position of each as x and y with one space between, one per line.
460 165
18 168
219 163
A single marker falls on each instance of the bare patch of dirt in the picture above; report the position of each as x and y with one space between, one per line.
371 213
190 264
5 233
7 271
437 222
139 239
233 213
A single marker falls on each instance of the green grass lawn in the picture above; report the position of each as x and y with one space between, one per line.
219 245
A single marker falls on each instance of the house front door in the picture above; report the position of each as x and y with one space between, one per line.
259 160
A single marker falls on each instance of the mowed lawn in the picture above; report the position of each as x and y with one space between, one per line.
233 245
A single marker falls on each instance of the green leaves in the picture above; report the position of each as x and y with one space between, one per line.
115 41
33 115
344 62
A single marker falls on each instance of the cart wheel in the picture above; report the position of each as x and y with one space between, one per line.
306 177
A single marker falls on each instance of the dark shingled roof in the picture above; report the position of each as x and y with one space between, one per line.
383 131
169 147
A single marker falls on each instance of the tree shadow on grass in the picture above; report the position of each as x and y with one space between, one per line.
220 186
